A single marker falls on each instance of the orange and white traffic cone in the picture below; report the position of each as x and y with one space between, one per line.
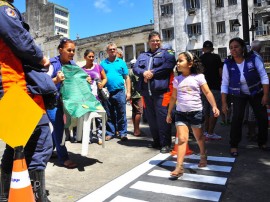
175 149
20 186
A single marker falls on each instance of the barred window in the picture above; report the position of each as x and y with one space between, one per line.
61 30
197 52
221 27
168 34
62 13
232 2
194 29
61 21
222 52
166 9
193 4
219 3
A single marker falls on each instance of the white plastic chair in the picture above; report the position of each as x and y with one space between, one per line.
84 127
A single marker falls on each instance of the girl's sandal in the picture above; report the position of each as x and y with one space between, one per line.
203 160
178 172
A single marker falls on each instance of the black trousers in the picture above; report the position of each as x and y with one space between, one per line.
239 105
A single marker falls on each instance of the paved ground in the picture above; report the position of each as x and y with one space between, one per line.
248 180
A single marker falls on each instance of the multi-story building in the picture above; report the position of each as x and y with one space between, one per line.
186 24
49 22
46 18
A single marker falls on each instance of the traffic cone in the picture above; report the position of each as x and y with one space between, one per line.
20 186
175 149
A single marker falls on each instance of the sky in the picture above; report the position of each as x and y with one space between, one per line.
94 17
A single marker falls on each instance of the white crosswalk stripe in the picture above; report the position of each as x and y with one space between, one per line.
139 184
177 191
125 199
191 177
195 166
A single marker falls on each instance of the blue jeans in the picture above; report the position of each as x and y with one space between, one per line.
56 118
117 120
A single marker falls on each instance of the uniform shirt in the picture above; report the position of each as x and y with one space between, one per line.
115 72
244 88
189 92
14 31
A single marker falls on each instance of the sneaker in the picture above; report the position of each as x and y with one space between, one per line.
213 137
165 149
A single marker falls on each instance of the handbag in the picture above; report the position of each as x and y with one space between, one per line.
40 83
103 94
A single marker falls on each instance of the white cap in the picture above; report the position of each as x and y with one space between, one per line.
133 61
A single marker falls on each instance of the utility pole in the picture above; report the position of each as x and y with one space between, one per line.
245 21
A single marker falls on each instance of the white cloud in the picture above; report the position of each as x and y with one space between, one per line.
126 2
102 5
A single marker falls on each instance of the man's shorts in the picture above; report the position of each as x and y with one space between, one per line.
194 119
137 106
206 105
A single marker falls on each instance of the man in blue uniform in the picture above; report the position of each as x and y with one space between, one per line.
155 71
17 49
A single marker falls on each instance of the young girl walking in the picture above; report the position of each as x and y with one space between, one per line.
186 95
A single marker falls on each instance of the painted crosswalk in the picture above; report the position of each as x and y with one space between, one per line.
150 181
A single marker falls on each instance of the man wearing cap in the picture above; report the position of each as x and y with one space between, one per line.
212 71
17 50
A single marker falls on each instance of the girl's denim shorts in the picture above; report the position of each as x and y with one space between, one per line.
194 119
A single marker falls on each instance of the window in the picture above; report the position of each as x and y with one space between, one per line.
193 4
168 34
194 29
60 21
257 2
62 13
219 3
222 52
232 2
166 9
221 27
61 30
261 28
233 28
197 52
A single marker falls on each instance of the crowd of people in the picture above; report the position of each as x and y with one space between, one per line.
192 97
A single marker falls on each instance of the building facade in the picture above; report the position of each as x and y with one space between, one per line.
49 22
186 24
47 19
132 41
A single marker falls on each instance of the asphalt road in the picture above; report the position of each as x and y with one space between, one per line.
247 181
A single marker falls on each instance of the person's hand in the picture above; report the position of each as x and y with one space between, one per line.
225 108
169 118
215 111
264 100
89 80
99 84
145 80
45 62
148 74
60 76
128 96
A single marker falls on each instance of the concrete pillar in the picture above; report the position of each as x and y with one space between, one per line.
145 46
124 53
134 51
